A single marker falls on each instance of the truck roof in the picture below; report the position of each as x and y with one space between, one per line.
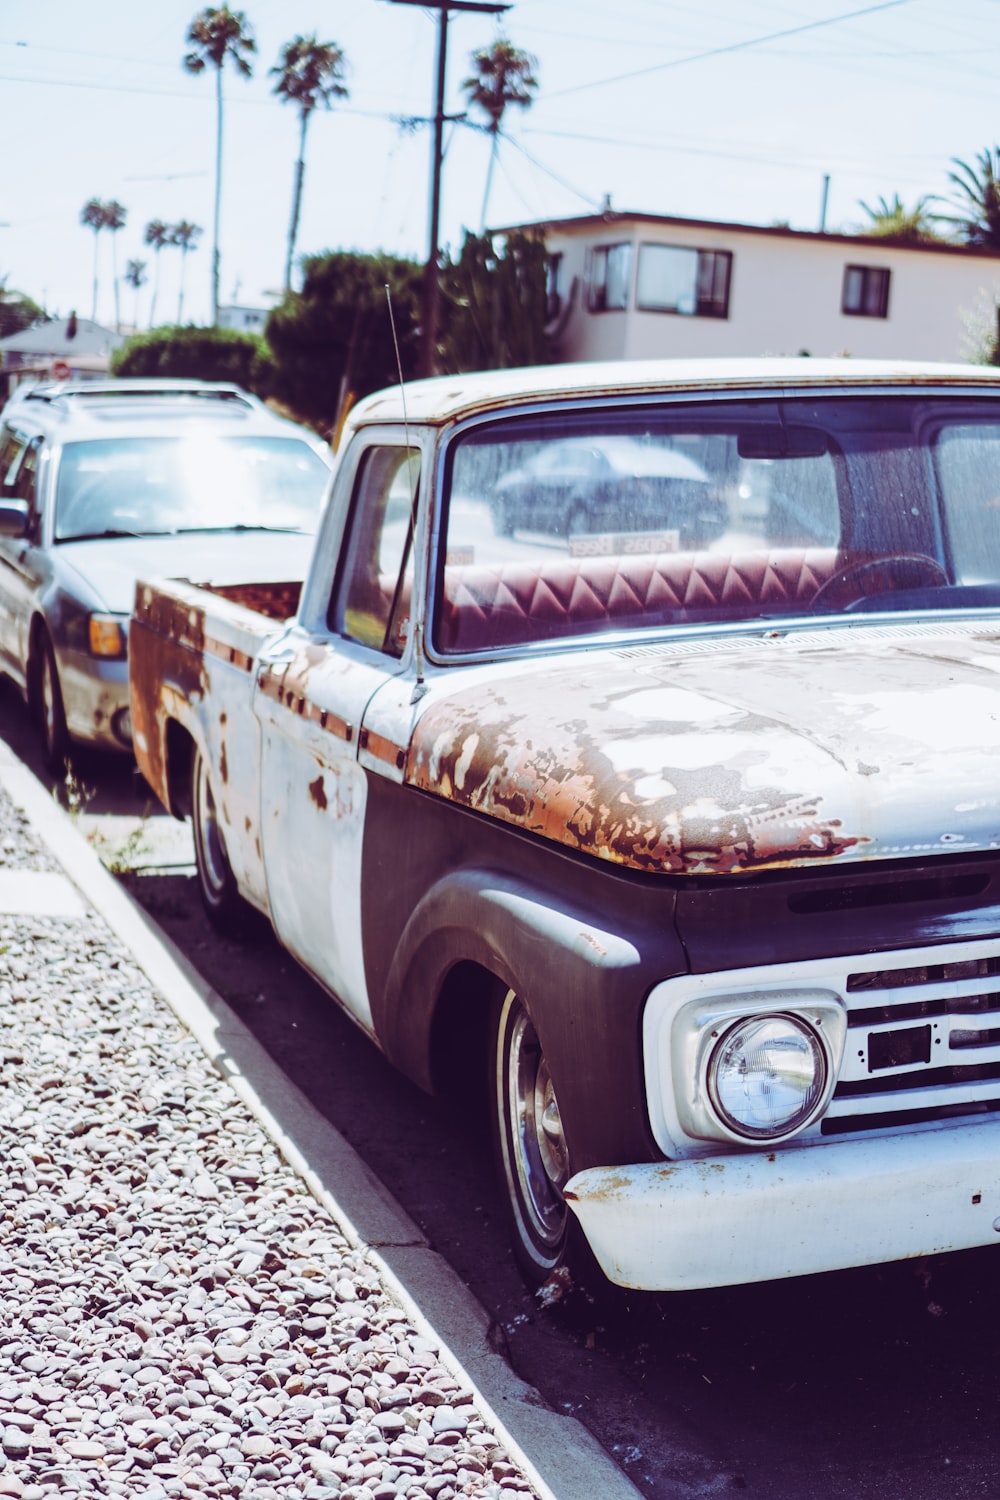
447 397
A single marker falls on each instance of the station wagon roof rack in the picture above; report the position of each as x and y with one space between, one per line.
129 389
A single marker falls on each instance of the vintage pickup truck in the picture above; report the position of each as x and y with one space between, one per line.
672 830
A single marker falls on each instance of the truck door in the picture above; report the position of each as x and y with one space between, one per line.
310 701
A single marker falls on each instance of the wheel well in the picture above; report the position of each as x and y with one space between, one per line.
179 751
460 1032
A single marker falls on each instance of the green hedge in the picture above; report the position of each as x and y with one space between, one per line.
190 353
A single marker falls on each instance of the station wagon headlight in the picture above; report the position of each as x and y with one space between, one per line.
766 1076
105 636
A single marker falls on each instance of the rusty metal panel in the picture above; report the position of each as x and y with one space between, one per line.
843 747
191 662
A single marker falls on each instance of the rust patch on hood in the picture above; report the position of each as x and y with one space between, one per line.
569 790
317 792
726 764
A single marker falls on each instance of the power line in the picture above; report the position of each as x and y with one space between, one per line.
757 41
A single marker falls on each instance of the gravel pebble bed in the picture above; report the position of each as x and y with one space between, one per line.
178 1315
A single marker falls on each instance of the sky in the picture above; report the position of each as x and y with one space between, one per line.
732 110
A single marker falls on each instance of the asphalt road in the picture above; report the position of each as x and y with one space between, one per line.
878 1384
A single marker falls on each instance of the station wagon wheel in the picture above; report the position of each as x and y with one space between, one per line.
50 715
224 906
529 1142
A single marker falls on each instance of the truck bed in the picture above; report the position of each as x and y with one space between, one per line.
278 601
191 641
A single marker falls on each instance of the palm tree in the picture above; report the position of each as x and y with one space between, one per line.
215 34
977 199
185 237
504 75
92 216
157 234
135 277
894 221
309 73
115 215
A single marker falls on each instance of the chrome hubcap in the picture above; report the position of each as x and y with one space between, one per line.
48 701
539 1146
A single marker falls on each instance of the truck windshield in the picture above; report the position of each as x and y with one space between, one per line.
148 486
623 518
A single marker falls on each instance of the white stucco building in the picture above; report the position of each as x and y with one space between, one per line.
632 286
243 319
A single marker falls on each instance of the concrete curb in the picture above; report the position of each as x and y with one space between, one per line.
557 1453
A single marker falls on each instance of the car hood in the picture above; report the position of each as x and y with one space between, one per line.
813 749
110 566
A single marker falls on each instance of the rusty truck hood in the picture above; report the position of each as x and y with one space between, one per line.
809 749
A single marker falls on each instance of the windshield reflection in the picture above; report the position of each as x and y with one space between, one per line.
150 486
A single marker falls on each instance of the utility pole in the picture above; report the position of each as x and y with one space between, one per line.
432 284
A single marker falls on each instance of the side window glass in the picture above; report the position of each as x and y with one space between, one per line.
966 457
374 589
12 446
27 474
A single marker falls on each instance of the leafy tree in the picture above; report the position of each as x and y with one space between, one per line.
135 277
157 234
115 215
215 34
309 73
332 342
493 304
976 199
17 311
185 237
904 226
191 353
92 216
503 75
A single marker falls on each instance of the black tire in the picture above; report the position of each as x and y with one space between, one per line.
50 715
528 1142
224 906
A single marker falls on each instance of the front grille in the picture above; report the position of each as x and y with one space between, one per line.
923 1044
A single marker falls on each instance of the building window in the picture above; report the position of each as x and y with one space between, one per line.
676 279
866 292
607 284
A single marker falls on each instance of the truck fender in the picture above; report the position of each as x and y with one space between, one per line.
562 960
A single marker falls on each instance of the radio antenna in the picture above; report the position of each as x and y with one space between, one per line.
418 644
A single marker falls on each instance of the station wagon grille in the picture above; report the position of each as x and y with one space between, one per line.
923 1043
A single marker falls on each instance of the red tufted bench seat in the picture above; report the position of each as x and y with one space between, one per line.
509 604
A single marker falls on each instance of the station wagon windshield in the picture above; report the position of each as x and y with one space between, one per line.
718 513
149 486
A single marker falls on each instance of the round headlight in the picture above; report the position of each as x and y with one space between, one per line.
766 1076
